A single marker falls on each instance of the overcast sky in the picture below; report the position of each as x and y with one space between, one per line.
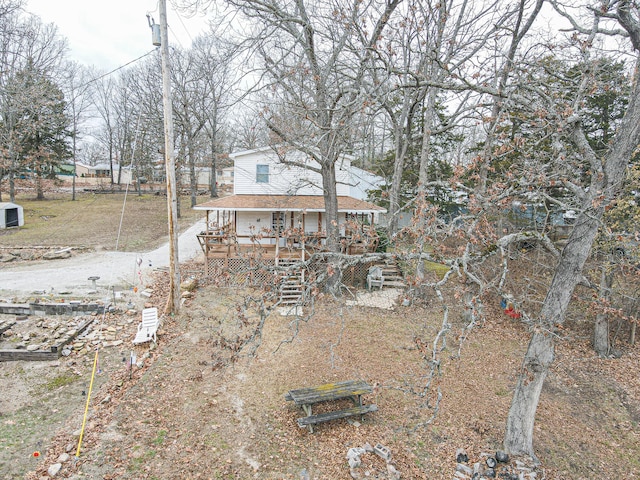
112 33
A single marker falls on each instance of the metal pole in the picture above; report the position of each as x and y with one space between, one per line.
173 302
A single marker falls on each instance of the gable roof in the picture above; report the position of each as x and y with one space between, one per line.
273 149
6 205
307 203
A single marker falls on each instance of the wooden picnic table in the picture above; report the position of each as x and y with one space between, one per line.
351 389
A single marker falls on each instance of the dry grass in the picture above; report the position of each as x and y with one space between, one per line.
98 221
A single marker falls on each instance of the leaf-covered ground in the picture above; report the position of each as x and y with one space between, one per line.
200 409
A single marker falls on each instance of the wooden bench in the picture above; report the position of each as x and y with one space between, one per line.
336 415
351 389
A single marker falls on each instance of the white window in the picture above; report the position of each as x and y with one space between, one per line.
262 173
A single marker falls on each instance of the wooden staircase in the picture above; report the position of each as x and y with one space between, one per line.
392 275
290 283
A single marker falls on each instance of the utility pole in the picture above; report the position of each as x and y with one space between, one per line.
173 302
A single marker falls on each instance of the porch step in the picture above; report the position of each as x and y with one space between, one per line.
291 284
392 275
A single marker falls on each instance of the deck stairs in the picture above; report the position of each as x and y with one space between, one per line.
291 284
392 275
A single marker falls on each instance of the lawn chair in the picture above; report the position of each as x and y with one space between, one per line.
148 327
375 278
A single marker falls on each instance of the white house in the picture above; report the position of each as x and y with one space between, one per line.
11 215
362 181
99 174
277 207
225 177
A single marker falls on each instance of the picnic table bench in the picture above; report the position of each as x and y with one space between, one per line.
351 389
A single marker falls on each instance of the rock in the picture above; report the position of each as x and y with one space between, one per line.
490 473
461 456
462 468
367 448
502 457
54 469
32 348
64 457
106 399
7 258
393 474
189 285
57 255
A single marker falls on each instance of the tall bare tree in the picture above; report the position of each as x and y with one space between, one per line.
606 180
313 75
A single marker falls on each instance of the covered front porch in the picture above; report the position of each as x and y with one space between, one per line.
277 227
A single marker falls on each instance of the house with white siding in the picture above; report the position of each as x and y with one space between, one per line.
277 208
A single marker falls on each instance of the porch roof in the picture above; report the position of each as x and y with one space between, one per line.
289 203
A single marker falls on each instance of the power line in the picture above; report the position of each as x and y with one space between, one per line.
119 68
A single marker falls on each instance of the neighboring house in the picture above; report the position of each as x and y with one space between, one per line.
101 170
11 215
202 174
277 210
99 174
225 176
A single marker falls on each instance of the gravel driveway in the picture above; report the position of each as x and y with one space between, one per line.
115 269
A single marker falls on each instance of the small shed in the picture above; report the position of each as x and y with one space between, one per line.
11 215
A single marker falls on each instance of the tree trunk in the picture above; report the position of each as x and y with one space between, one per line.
425 150
540 354
607 179
39 191
331 205
601 328
193 179
213 184
12 187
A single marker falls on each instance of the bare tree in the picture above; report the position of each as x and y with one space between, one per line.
606 181
76 84
314 77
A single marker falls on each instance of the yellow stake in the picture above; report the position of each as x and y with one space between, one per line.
86 408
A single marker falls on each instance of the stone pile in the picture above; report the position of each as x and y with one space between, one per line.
43 334
493 466
355 462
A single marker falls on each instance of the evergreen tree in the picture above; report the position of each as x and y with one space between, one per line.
39 124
